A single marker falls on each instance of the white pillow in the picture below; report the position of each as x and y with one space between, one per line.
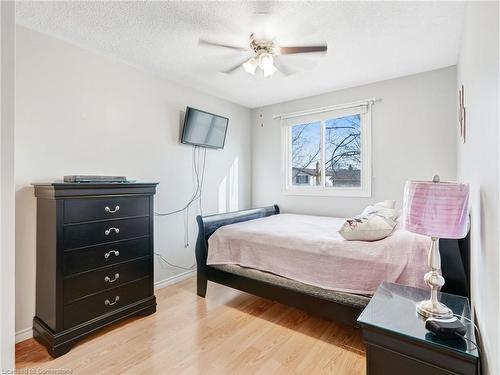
385 209
371 228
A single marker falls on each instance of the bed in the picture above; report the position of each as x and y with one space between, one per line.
328 297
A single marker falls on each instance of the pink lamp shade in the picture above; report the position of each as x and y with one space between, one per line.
436 209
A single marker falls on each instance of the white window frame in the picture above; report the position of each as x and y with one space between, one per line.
322 115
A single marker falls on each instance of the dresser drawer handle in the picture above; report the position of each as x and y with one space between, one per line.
116 252
107 232
109 303
107 209
108 280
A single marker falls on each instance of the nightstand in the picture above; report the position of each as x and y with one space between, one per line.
398 343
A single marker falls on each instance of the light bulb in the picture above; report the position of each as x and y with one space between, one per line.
269 70
250 66
265 60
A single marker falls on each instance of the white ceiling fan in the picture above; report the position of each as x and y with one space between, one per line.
266 55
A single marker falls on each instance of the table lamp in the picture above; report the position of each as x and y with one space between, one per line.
438 210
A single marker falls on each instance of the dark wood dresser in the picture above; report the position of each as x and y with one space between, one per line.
94 259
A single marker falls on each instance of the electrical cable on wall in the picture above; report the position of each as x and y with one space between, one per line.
174 265
199 162
478 339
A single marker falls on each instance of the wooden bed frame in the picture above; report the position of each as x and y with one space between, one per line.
454 255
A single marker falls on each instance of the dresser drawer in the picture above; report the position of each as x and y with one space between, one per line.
88 234
90 282
105 255
78 210
105 302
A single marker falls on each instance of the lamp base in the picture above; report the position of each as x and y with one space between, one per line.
433 309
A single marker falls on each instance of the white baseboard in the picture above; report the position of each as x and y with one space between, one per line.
174 279
24 334
27 333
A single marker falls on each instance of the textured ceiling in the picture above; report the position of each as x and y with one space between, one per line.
367 41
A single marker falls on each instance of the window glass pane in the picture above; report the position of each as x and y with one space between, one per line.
343 152
306 155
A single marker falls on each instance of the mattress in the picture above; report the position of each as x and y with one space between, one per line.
309 250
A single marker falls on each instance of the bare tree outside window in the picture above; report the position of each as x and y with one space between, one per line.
342 152
342 163
306 154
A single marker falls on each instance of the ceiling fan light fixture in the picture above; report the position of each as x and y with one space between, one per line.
265 51
251 65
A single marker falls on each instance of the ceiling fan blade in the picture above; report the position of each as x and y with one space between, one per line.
204 42
303 49
283 68
231 70
235 67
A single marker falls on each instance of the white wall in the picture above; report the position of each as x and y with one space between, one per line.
7 254
79 112
478 164
413 137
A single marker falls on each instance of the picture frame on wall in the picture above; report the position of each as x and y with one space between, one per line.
462 122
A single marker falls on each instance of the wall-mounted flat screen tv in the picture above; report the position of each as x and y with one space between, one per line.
204 129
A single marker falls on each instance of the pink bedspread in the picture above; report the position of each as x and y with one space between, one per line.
309 249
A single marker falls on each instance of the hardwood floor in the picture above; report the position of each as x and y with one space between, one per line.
229 332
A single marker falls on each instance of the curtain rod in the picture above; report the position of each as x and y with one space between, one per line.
327 109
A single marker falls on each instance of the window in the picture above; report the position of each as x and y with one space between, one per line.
302 180
328 153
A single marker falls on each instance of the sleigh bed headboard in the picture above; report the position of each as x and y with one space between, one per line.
455 265
207 225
